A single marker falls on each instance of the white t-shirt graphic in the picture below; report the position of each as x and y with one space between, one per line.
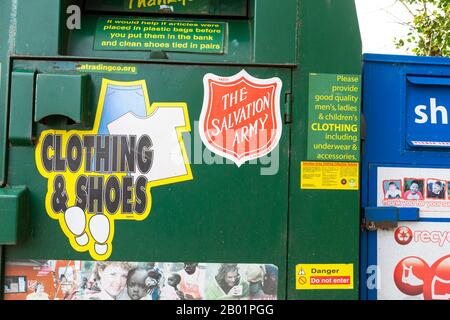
160 126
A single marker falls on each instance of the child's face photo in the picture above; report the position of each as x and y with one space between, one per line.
173 281
414 188
436 188
113 279
392 187
190 268
136 285
232 278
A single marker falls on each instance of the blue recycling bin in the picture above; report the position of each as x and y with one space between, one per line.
406 178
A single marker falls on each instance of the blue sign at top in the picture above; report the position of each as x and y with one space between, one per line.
428 111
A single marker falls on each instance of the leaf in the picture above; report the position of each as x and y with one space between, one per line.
430 27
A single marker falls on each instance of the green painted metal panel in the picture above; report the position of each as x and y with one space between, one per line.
39 27
22 105
13 213
323 225
225 214
267 36
242 215
62 95
5 11
274 30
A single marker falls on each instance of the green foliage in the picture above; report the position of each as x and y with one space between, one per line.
429 29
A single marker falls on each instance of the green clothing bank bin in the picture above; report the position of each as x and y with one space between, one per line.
179 149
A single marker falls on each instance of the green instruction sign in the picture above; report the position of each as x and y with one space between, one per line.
164 35
334 117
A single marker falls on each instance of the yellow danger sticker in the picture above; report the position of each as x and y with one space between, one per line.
329 176
324 277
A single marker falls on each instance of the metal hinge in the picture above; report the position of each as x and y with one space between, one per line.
379 225
288 108
387 218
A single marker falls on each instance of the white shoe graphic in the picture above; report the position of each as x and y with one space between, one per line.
409 277
99 228
76 222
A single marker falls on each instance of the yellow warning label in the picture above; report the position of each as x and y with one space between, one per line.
329 176
324 277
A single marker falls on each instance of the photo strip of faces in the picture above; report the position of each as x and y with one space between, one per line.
416 189
86 280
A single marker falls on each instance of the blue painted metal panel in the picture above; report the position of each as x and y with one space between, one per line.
400 93
379 214
391 214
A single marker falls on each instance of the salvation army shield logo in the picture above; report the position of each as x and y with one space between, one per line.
241 117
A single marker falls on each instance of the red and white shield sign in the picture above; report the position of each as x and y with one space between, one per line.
241 117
